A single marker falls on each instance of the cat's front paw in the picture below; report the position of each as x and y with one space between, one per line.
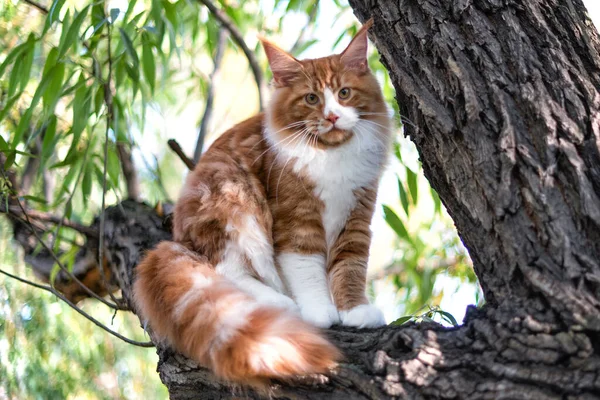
320 315
363 316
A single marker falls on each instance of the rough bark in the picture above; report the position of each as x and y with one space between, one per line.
505 99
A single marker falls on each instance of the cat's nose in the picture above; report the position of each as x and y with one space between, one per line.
332 118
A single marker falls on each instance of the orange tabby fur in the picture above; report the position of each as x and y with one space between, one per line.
242 207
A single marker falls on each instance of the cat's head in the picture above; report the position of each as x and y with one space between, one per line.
328 100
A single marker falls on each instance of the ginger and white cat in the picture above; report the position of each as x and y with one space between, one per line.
271 233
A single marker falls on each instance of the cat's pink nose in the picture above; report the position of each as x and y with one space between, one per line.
332 118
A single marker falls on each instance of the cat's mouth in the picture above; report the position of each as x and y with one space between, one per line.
332 137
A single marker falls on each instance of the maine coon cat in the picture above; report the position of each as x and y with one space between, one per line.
271 232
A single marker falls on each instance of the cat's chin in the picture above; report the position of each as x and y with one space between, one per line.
334 137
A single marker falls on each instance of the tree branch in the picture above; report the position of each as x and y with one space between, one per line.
40 7
79 310
219 51
108 100
238 38
129 171
54 219
173 145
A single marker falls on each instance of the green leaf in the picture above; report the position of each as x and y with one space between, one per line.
403 196
86 183
130 9
66 22
114 14
55 78
113 167
35 199
12 56
98 18
3 144
53 14
130 49
55 270
51 60
411 179
27 61
26 118
304 46
15 77
448 317
397 151
8 106
48 143
402 320
71 175
437 202
73 33
10 159
395 223
98 99
81 109
148 64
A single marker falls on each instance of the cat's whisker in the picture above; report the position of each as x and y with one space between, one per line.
387 128
294 138
282 141
374 113
373 135
283 169
292 125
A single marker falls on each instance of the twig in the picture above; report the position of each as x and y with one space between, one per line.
129 172
179 151
220 49
79 310
55 219
238 38
37 5
108 101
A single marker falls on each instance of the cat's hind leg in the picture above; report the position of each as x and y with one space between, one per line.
234 266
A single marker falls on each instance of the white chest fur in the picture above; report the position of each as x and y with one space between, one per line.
337 172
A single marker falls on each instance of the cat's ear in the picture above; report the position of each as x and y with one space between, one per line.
355 55
284 67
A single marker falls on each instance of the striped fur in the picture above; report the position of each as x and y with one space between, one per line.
272 227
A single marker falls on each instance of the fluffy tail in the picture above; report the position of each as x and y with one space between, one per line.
205 317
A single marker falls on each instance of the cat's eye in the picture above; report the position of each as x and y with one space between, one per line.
311 99
344 93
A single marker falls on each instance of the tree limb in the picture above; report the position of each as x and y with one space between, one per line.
79 310
238 38
40 7
129 171
173 145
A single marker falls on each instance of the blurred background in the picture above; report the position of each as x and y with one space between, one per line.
169 62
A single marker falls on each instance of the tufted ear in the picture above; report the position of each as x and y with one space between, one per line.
284 67
355 55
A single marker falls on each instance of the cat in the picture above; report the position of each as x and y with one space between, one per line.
271 232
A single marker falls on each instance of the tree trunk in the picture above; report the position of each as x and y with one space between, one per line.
505 97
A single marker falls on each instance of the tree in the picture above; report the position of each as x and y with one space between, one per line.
504 99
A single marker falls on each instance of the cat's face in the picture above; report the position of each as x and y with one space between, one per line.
323 100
